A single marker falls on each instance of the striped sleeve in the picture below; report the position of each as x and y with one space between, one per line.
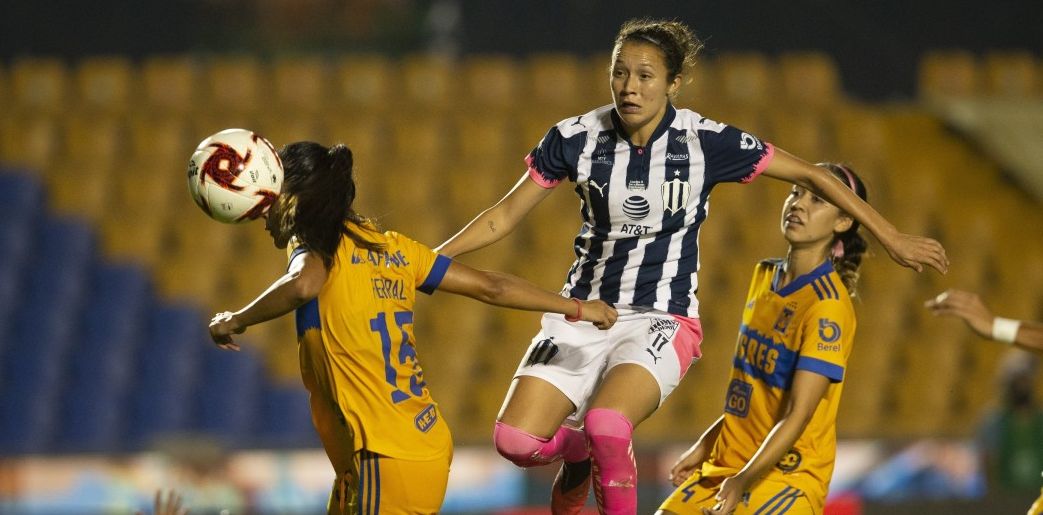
733 155
554 160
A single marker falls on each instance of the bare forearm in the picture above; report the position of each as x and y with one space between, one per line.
514 292
779 441
487 228
704 444
282 297
826 186
1030 336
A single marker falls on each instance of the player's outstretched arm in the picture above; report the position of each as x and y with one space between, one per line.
510 291
497 221
905 249
972 310
300 284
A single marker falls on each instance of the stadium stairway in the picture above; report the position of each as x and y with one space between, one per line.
94 361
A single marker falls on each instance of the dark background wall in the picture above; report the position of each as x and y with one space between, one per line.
877 43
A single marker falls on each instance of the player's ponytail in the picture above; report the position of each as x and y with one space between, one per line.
849 246
317 197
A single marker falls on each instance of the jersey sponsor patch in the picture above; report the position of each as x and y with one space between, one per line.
426 419
790 461
828 330
785 317
738 400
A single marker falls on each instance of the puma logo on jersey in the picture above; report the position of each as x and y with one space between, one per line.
542 352
600 188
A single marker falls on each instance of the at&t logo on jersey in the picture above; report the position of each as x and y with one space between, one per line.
636 207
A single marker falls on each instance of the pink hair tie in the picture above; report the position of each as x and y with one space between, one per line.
838 249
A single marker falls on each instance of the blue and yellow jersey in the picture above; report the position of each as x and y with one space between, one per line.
358 350
808 324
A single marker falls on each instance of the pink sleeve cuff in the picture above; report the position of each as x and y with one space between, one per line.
538 177
769 153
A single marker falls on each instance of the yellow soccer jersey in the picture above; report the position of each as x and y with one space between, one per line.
363 320
807 325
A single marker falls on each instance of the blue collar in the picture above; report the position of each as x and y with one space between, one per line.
801 281
664 124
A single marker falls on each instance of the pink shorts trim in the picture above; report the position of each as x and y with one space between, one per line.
538 177
688 341
769 154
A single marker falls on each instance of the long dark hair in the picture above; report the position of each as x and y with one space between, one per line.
849 246
317 195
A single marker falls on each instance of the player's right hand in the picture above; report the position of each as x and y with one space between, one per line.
600 314
916 251
222 327
687 464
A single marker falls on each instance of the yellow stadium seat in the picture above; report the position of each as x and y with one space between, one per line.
949 74
80 188
97 138
134 237
428 82
484 137
809 79
169 84
745 78
1012 74
284 127
490 82
105 84
31 140
5 92
556 86
39 85
365 82
235 84
801 132
300 84
420 138
163 139
699 86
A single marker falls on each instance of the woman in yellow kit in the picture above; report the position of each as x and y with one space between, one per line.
353 289
772 451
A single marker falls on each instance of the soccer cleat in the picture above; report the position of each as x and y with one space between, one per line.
571 487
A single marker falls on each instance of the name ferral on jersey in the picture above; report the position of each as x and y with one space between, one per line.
388 288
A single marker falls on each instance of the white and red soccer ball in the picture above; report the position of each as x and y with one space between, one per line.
234 176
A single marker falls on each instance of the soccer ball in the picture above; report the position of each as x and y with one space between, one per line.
234 176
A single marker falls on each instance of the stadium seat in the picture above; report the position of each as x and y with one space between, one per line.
286 417
105 84
745 78
39 85
168 374
555 87
30 140
300 85
949 74
234 84
802 132
365 83
230 395
484 138
169 84
99 139
1012 75
163 140
809 79
81 188
429 83
284 127
490 83
22 201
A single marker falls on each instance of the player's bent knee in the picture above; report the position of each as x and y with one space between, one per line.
517 446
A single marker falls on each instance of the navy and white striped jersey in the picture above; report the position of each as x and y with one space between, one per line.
642 207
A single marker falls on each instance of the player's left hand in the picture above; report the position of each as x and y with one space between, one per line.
729 496
965 305
222 327
916 251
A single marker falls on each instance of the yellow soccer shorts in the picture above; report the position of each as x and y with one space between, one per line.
392 486
767 497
